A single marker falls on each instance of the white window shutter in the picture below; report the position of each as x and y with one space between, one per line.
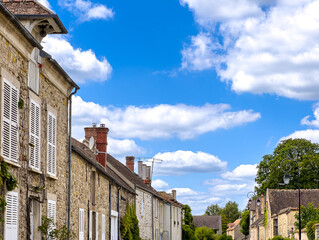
142 206
97 225
90 226
11 218
52 212
34 73
103 227
31 220
10 142
81 224
52 144
35 132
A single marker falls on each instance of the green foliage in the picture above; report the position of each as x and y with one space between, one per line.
45 227
21 103
311 228
224 223
188 233
279 237
309 213
245 222
273 166
212 210
205 233
265 221
225 237
129 224
231 211
188 228
59 233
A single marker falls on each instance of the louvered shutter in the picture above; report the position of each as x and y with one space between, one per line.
34 73
31 220
103 227
90 226
51 144
96 225
10 141
11 218
35 119
81 224
52 213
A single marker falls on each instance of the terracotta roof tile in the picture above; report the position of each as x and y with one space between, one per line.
232 226
26 7
212 222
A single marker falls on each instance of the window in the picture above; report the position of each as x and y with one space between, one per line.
52 212
92 185
142 205
103 227
35 219
11 218
81 224
52 144
35 132
90 226
96 225
34 73
276 227
114 225
10 122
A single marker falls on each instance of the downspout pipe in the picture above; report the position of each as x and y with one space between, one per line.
110 208
118 211
153 216
70 155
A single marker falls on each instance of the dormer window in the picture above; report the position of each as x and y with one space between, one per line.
34 73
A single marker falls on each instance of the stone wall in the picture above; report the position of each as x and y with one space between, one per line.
14 56
144 216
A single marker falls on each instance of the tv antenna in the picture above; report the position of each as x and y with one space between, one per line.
152 160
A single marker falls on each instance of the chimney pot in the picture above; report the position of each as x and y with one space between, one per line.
140 168
102 125
174 194
130 162
94 125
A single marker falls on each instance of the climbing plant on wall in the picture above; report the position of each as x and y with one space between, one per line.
129 224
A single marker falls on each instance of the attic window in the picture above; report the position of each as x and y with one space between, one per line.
34 73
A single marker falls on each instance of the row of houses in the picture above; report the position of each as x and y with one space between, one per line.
75 183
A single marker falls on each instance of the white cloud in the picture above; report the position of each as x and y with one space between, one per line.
82 65
161 121
231 190
242 172
159 184
309 134
315 122
46 4
87 10
200 54
264 50
123 147
181 162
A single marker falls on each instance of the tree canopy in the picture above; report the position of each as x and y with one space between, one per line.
212 210
188 228
244 222
274 166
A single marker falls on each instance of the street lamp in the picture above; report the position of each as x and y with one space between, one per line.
287 179
250 195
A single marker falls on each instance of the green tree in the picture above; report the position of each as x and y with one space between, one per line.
225 237
231 211
244 223
308 214
188 228
212 210
205 233
129 224
224 223
273 166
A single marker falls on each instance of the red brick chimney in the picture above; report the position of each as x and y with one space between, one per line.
100 139
130 162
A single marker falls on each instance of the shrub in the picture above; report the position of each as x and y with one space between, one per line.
310 227
187 232
129 224
279 237
225 237
204 233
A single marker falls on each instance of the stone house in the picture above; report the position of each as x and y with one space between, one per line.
317 231
212 222
99 196
35 101
233 230
276 213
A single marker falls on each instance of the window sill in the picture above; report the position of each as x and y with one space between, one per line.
12 163
52 177
35 170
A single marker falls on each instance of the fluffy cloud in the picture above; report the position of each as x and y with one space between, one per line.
123 147
159 184
161 121
309 134
242 172
270 49
181 162
81 65
87 10
45 3
231 190
315 122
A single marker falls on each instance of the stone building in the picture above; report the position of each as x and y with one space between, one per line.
99 196
275 215
233 230
35 94
212 222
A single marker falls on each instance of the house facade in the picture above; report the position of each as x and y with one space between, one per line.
212 222
276 213
35 94
233 230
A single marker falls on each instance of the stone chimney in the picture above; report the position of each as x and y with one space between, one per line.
140 168
100 139
130 162
174 194
143 171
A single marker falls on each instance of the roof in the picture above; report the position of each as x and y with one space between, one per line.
232 226
15 21
281 199
90 157
258 221
170 199
212 222
24 9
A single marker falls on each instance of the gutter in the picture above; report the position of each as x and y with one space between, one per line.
118 211
170 220
110 208
70 154
153 216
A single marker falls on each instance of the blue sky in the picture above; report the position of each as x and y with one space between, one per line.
207 86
